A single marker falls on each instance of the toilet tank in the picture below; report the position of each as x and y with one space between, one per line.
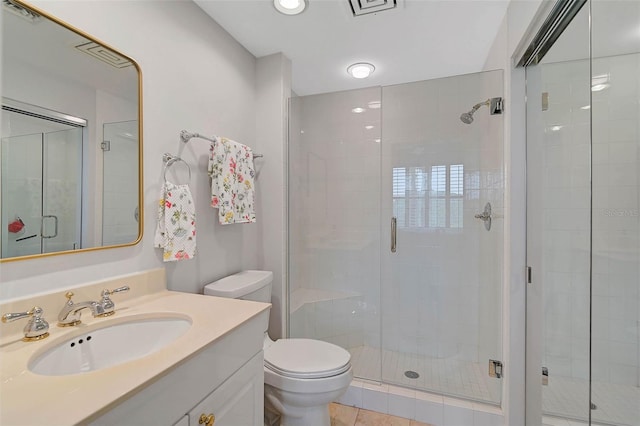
246 285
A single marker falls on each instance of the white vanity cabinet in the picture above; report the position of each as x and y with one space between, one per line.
237 402
226 379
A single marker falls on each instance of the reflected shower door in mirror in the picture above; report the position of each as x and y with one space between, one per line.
54 201
120 215
41 186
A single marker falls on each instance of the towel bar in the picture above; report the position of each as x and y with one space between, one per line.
187 136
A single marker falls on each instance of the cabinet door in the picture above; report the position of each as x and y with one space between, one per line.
238 401
183 421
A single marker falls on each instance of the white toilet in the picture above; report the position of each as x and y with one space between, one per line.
301 376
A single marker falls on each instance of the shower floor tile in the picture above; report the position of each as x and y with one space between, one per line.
616 404
563 398
446 376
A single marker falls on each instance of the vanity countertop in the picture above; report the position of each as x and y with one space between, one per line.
28 398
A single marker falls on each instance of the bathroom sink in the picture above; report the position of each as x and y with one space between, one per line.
105 345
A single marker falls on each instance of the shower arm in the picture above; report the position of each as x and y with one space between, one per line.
478 105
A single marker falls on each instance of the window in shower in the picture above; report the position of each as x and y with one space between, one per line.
429 200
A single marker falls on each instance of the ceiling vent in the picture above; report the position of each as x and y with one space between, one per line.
363 7
21 11
104 54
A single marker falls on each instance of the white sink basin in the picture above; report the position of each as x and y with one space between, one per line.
104 345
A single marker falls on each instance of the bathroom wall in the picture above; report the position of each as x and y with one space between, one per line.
195 77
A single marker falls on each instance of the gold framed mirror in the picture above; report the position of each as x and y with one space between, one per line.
71 142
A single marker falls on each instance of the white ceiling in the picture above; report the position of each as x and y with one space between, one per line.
418 40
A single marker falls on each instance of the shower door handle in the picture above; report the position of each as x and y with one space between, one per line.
394 226
55 226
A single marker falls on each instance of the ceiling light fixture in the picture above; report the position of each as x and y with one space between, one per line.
360 70
358 110
374 104
290 7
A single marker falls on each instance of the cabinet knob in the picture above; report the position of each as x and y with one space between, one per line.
207 420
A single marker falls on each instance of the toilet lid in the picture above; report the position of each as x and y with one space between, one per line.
306 358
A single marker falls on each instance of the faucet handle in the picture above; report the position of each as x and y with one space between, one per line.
37 327
107 304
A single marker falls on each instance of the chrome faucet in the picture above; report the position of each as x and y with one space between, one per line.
70 313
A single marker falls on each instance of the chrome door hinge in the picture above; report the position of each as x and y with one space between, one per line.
495 368
106 146
545 101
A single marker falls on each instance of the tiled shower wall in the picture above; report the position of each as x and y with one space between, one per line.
335 215
615 113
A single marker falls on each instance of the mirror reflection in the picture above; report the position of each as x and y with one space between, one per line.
70 145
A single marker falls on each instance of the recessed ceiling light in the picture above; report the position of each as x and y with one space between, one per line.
360 70
586 107
599 87
556 128
377 140
358 110
374 104
290 7
368 127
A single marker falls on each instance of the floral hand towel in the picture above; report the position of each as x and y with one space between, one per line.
232 178
176 230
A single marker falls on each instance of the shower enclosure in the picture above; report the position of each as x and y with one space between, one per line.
583 229
391 255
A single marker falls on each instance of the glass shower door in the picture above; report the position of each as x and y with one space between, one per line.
120 212
334 216
21 195
41 192
615 116
441 271
583 233
61 190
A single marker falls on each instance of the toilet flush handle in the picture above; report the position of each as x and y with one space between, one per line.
207 420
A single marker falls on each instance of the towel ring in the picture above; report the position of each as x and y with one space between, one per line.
170 160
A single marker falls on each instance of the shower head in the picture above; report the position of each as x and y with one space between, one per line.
494 104
467 117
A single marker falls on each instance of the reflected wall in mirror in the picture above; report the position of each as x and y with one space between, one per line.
71 146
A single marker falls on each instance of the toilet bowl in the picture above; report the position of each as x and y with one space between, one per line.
301 376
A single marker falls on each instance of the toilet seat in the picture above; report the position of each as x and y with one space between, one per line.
306 359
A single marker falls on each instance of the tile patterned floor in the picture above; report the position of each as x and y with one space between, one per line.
342 415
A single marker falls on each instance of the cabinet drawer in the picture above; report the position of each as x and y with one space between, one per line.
238 401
